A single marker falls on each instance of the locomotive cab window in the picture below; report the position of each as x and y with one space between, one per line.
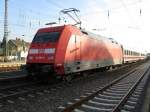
46 37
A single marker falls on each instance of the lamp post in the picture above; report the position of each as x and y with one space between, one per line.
5 39
23 47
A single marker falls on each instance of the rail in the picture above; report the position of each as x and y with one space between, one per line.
82 104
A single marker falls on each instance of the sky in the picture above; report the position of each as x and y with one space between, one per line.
125 23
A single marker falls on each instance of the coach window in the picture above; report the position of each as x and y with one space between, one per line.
130 53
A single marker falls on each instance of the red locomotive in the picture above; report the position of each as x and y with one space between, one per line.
67 49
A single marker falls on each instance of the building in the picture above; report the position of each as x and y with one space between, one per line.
1 49
17 49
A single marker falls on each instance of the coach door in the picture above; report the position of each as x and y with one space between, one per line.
78 51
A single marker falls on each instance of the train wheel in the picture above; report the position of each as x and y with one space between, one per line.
85 74
110 68
68 78
31 75
107 68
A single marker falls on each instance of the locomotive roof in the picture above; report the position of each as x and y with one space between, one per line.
90 34
97 36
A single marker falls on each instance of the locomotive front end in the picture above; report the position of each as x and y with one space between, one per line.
41 55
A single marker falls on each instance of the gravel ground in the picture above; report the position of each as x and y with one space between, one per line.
49 101
146 103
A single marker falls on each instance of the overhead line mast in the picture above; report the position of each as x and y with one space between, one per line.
5 38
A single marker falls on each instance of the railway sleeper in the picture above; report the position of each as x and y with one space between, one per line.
117 91
100 104
115 88
135 95
114 94
77 110
98 99
123 110
110 97
124 84
129 102
121 89
87 108
129 107
120 86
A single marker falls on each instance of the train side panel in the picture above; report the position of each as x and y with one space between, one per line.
85 53
73 51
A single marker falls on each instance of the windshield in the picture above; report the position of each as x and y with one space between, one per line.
46 37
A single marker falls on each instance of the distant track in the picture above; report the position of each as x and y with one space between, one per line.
9 68
17 89
122 94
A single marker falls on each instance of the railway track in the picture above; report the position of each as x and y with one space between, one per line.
29 89
121 95
18 89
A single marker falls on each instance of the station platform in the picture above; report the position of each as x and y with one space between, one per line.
11 70
9 64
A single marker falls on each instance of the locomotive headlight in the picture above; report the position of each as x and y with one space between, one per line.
33 51
51 58
30 57
47 51
50 50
